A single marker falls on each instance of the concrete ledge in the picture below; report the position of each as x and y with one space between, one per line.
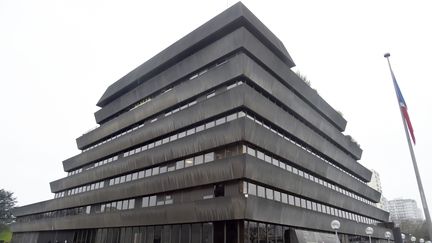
235 16
222 208
262 137
270 211
237 97
240 40
256 170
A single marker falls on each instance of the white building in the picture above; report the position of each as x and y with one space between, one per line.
375 183
404 209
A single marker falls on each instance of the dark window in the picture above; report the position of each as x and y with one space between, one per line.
126 235
219 231
262 233
116 235
219 190
231 231
166 234
253 232
207 233
196 233
286 232
150 234
185 233
271 233
175 234
157 234
278 234
246 238
160 200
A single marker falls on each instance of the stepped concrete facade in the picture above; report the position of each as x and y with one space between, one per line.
214 139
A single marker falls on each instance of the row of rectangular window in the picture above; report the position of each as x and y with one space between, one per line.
263 192
146 100
285 165
151 201
253 118
150 120
59 194
127 204
86 188
199 159
118 205
196 160
182 134
94 165
174 233
75 171
142 124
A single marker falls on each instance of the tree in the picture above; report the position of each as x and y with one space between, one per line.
7 202
418 228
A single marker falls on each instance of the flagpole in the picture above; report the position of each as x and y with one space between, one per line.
413 158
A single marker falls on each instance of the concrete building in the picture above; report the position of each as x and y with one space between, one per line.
215 139
404 209
375 183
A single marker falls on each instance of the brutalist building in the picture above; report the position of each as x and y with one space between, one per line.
214 139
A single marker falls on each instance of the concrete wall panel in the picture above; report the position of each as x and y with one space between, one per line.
270 211
234 17
287 181
230 43
222 208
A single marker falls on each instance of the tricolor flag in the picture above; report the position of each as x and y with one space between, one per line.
403 107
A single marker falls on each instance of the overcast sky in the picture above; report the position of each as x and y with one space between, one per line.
58 57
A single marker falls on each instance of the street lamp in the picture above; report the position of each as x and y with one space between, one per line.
421 240
335 225
413 239
403 238
428 241
387 235
369 232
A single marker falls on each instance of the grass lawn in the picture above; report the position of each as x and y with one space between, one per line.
6 235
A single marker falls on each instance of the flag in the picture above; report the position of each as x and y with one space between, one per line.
403 107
